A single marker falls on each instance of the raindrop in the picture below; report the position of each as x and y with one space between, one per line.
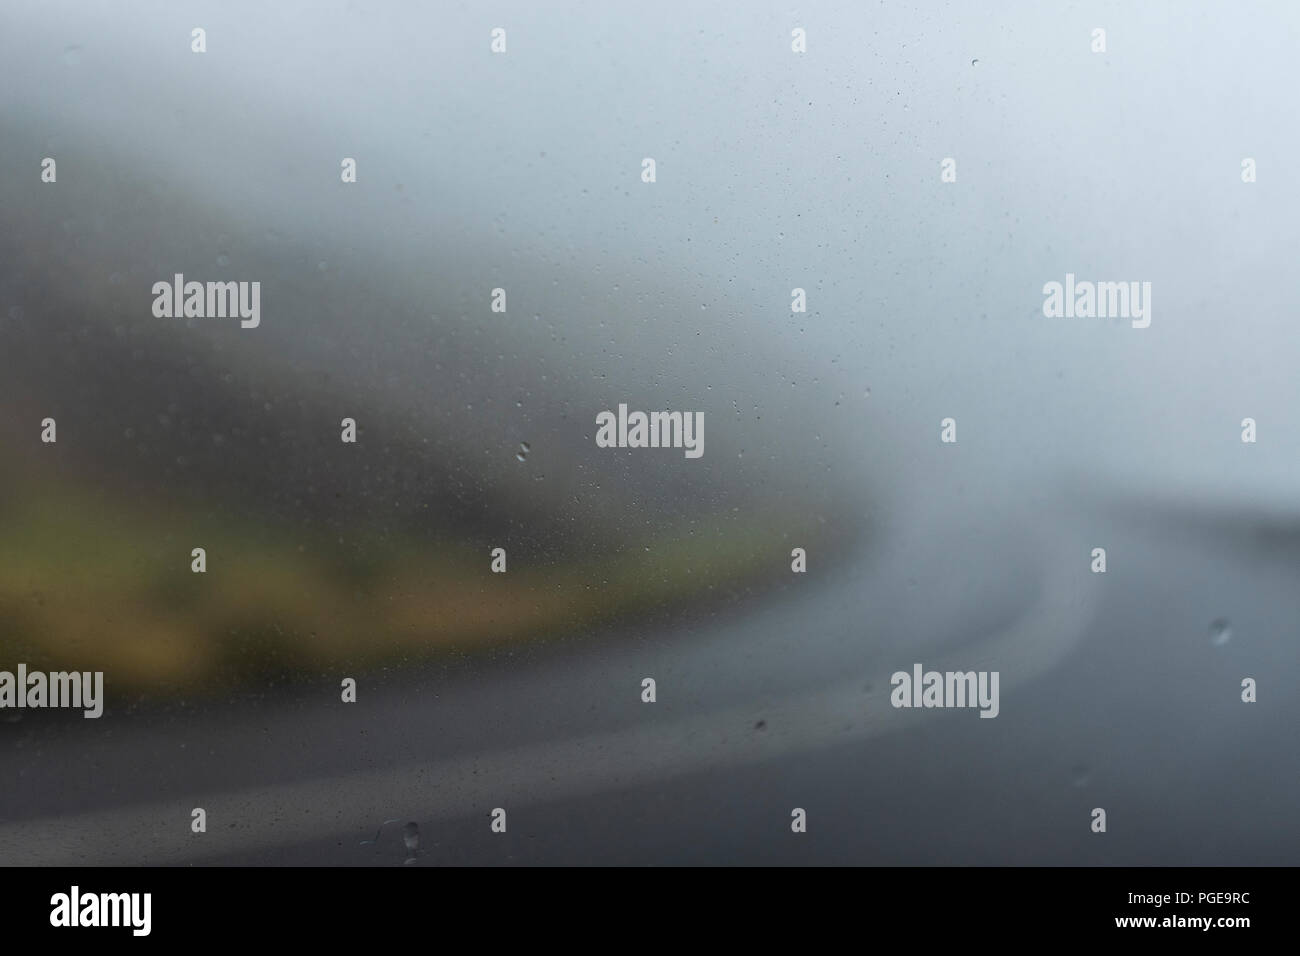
411 839
1220 632
522 453
974 62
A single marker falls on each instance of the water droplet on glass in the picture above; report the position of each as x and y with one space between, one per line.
72 55
974 62
1220 632
411 839
1080 775
522 453
223 259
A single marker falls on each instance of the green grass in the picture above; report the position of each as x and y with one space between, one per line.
89 582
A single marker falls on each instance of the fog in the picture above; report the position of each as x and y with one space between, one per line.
774 171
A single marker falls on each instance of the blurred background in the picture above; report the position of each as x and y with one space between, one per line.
775 171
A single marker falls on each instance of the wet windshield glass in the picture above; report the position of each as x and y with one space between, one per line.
638 428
